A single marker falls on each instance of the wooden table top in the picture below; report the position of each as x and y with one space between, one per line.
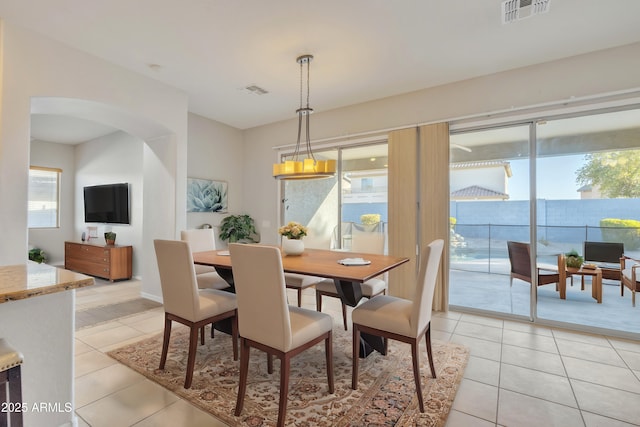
318 262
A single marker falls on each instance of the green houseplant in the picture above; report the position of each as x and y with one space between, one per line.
110 237
238 228
37 255
573 259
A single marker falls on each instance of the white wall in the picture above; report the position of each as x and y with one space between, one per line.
215 151
85 86
566 81
51 240
36 67
115 158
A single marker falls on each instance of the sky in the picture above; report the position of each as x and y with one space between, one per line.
556 178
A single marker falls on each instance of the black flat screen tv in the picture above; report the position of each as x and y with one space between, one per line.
107 203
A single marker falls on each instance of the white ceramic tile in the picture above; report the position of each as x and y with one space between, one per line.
524 411
537 384
180 413
477 330
599 373
482 320
128 406
628 345
483 370
80 347
103 382
91 361
563 334
609 402
460 419
477 399
533 359
532 341
594 420
480 348
111 336
595 353
527 327
443 324
440 336
631 358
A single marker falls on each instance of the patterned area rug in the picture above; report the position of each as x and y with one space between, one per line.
385 396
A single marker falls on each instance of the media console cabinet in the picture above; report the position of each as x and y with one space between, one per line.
111 262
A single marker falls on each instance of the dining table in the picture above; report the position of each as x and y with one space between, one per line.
347 269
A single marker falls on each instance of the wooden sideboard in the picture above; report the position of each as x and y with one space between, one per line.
111 262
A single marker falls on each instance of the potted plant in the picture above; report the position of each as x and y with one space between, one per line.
293 233
573 259
37 255
238 228
110 237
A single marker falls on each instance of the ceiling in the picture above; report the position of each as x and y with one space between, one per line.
364 49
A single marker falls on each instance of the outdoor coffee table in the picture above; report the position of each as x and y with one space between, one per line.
596 280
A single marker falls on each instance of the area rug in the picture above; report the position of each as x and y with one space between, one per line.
385 396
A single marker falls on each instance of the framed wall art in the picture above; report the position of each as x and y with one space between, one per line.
205 195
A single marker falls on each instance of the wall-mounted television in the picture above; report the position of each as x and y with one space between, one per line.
107 203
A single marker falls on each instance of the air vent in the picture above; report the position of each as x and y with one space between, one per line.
255 90
516 10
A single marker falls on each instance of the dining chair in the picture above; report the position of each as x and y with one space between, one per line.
520 260
362 242
204 240
267 322
401 319
629 277
186 304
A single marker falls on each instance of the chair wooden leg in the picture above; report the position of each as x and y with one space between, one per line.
299 297
244 371
191 357
234 336
285 367
344 316
15 394
416 373
269 363
427 338
356 355
202 336
212 329
318 301
328 348
165 341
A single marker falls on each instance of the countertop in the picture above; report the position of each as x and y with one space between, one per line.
32 279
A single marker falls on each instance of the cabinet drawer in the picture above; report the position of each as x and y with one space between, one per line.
94 253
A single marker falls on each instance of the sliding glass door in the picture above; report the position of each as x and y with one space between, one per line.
580 190
489 206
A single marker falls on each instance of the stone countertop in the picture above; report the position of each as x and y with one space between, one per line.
32 279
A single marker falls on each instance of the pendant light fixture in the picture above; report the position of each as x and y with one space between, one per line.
309 167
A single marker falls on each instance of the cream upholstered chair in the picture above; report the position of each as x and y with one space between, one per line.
184 303
268 323
364 242
204 240
400 319
300 282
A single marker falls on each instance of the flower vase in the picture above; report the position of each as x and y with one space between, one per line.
292 246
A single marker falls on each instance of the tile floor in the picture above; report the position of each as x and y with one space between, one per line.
518 374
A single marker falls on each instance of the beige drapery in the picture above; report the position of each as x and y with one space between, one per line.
419 204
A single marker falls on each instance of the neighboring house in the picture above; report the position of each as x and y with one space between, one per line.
591 192
480 180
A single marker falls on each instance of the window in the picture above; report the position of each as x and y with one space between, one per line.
44 197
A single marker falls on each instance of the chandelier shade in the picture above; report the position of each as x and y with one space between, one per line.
308 167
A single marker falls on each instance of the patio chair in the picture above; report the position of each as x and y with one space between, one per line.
520 259
629 277
605 255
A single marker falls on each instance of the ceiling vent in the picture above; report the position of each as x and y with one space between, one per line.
515 10
255 90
